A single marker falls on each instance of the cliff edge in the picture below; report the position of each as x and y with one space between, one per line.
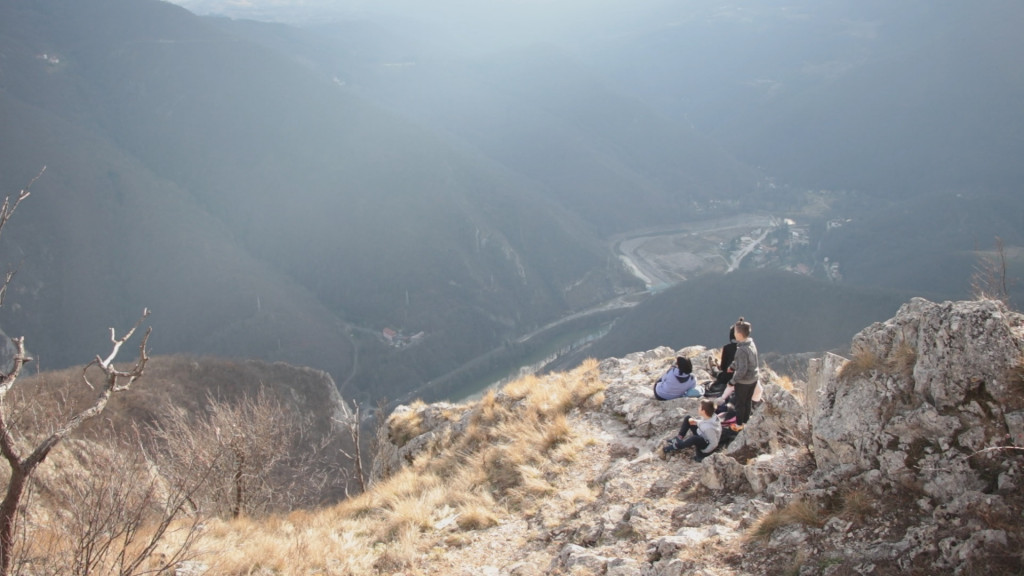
904 458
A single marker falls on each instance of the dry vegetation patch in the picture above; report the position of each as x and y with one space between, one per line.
517 446
902 359
863 362
805 512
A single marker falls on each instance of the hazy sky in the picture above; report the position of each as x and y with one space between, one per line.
483 24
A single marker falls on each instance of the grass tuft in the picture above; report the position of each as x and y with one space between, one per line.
407 424
903 359
804 512
864 361
858 504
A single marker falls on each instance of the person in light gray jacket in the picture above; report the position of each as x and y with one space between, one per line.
707 432
744 372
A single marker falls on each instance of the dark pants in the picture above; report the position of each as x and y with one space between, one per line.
682 441
656 397
742 397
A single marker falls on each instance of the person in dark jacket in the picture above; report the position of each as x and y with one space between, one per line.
678 382
722 373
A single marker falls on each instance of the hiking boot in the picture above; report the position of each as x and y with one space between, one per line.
699 457
668 448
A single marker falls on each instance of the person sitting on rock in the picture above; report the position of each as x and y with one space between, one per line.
722 372
678 382
706 433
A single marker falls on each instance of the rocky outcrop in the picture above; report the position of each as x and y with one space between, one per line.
629 398
414 429
931 398
905 457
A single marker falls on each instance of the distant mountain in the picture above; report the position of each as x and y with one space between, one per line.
288 193
258 208
892 98
584 142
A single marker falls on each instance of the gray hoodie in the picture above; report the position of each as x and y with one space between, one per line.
744 364
710 430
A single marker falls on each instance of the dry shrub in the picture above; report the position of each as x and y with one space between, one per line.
414 512
406 425
1015 386
396 554
804 512
106 511
502 467
477 517
510 456
556 432
857 505
902 359
864 361
521 388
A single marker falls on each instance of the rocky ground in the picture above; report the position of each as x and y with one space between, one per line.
904 459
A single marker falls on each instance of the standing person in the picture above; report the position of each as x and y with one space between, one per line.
706 433
678 382
744 372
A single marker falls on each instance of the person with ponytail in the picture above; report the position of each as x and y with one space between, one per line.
744 372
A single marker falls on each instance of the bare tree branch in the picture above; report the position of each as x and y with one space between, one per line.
6 211
990 279
22 468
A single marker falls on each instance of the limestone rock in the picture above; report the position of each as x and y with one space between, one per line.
925 393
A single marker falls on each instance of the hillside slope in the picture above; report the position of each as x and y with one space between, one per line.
259 209
905 459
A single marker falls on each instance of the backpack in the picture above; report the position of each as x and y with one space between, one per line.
719 385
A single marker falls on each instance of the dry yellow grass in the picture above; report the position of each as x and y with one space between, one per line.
786 383
863 362
803 512
857 505
902 359
517 442
406 425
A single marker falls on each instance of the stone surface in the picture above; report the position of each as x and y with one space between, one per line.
905 457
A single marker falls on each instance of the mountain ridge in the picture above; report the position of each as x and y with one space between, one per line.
374 223
906 456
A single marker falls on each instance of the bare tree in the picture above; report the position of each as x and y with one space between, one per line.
113 523
382 450
264 455
990 278
353 424
24 457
